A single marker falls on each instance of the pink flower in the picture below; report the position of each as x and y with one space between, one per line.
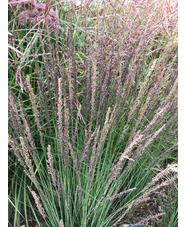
33 13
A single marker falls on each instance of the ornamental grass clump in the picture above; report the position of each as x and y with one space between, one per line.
96 120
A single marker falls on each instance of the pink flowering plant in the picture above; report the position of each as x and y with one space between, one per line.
32 12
